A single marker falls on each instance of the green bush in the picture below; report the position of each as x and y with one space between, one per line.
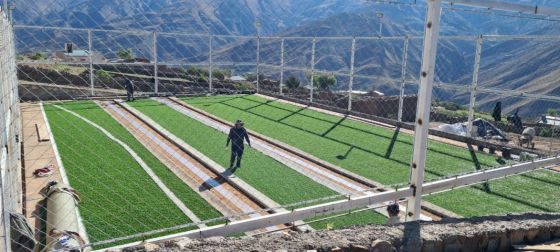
126 54
324 81
292 82
197 71
220 74
37 56
253 77
102 74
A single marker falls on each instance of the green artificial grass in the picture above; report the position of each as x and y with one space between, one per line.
118 197
364 217
374 152
368 151
273 179
202 209
534 191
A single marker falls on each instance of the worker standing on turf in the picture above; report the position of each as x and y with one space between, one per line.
129 90
237 135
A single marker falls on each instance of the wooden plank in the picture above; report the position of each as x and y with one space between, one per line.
42 132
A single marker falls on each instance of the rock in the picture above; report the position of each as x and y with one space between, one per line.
182 243
336 249
358 248
381 246
151 247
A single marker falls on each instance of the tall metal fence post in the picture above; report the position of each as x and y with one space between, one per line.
474 83
281 66
210 61
154 51
422 125
258 60
351 83
403 78
311 85
91 73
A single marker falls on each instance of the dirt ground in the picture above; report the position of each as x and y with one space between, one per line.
413 236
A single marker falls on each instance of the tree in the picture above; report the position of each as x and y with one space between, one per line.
324 81
220 74
125 54
551 112
292 82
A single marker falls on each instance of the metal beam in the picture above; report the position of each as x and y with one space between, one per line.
311 85
486 175
346 205
403 79
287 216
210 65
154 51
422 122
258 60
91 74
351 83
507 6
474 84
281 66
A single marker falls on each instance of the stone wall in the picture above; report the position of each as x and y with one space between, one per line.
494 233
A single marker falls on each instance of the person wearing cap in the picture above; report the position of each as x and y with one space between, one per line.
237 135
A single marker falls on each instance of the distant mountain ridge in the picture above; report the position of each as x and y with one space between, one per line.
506 65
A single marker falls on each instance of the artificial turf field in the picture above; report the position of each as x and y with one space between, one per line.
120 199
383 155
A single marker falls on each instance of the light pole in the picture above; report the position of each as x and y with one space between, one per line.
380 17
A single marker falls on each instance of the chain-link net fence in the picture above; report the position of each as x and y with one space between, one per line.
140 132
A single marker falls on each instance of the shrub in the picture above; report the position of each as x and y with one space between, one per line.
292 82
551 112
125 54
253 77
102 74
324 81
220 74
197 71
37 56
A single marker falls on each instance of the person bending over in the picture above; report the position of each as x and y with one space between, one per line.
236 135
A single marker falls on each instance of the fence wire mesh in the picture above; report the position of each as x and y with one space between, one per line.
136 122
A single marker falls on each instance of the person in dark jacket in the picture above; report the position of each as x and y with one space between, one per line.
237 135
129 90
497 113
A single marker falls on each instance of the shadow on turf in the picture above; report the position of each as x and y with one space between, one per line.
332 128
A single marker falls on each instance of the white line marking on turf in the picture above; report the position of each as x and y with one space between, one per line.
63 172
141 162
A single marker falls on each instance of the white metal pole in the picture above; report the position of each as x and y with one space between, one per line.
403 78
281 66
91 74
311 86
210 61
154 51
474 84
258 60
351 83
418 166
